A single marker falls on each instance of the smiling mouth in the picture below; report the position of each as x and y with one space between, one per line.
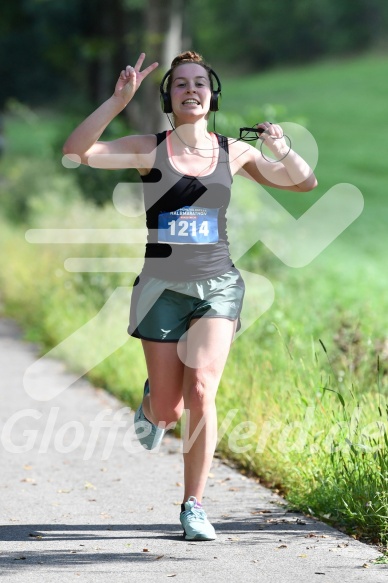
191 102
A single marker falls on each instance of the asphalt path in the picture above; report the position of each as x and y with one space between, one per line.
81 501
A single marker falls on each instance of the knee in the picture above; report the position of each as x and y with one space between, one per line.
200 394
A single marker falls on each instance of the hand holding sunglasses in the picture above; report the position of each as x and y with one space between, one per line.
252 134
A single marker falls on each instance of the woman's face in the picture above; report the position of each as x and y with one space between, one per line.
190 91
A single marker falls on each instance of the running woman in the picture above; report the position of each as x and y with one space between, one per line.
186 302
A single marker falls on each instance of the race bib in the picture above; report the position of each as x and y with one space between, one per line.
189 225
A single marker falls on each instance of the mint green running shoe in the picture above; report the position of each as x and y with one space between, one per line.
148 434
195 523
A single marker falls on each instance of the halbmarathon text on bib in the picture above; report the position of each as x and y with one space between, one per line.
189 225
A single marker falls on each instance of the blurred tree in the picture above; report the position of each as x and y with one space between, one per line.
108 40
162 42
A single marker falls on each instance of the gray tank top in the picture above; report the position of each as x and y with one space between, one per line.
186 218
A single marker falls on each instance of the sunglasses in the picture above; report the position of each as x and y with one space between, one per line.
250 134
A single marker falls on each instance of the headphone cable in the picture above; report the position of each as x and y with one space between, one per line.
233 142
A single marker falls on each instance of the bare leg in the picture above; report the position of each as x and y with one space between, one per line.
176 385
208 346
165 374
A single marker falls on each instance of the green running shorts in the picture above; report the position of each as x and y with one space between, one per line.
162 310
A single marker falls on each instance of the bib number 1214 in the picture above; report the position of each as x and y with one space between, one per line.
185 228
189 225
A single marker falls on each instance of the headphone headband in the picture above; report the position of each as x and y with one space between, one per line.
165 98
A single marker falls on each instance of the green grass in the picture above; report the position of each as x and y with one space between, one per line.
344 105
308 380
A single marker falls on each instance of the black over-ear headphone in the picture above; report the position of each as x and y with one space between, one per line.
165 97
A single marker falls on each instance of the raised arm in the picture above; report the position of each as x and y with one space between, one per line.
290 172
83 145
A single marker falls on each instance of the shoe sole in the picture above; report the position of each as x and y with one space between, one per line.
197 537
140 418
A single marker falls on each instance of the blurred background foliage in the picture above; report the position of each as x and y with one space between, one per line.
50 49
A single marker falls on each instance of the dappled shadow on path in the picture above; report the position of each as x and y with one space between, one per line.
80 541
86 532
258 528
261 520
89 534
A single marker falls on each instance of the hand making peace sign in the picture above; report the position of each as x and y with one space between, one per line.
131 78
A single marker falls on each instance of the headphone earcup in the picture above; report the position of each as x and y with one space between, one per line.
165 98
165 102
215 101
